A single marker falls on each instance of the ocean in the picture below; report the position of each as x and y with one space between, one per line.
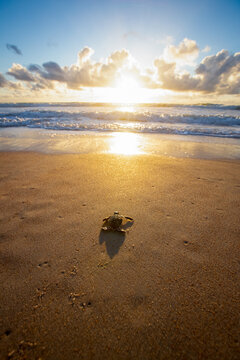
206 124
201 120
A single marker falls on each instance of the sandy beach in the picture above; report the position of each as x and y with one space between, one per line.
168 289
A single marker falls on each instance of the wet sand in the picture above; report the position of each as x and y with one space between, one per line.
168 289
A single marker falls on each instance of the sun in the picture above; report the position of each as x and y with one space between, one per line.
127 83
128 90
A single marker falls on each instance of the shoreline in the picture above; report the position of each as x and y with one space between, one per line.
166 289
126 143
121 157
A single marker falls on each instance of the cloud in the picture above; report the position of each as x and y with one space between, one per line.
216 74
172 80
167 40
85 73
119 58
42 84
220 72
185 53
84 55
3 81
49 71
206 49
53 71
20 73
14 49
34 68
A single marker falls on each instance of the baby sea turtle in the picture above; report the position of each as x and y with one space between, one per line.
114 222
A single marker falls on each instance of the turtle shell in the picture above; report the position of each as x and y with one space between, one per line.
115 221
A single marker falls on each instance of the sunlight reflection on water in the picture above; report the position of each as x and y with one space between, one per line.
126 108
125 143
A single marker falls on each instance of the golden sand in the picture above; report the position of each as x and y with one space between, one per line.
168 289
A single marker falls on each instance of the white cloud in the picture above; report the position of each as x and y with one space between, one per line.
171 79
220 73
84 55
20 73
206 49
216 74
87 73
185 53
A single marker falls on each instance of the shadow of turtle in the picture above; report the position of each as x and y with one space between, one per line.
113 240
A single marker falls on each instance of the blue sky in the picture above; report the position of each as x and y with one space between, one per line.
55 30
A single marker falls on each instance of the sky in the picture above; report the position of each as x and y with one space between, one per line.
120 50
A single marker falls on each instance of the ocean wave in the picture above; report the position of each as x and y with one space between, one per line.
114 105
145 116
166 128
204 120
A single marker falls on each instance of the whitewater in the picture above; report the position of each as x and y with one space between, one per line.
200 120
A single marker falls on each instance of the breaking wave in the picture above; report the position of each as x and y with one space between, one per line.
207 120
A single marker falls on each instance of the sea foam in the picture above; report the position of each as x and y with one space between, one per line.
211 120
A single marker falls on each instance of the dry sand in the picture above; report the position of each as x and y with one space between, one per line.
169 289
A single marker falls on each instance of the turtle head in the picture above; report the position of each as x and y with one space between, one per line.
116 212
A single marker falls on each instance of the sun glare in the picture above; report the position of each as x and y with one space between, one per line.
125 144
128 90
126 108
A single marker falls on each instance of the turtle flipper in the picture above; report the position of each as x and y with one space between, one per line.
129 218
121 230
105 228
106 218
